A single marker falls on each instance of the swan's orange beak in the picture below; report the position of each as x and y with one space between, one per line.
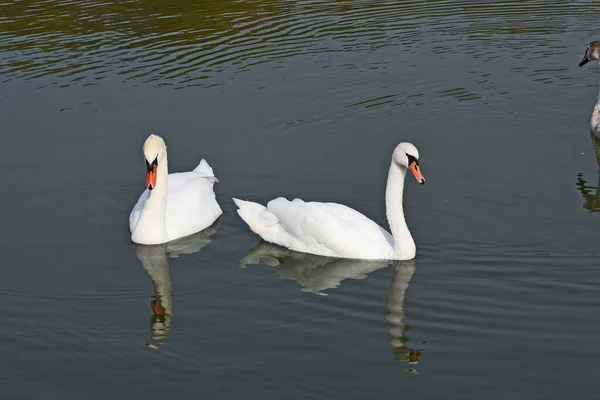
151 176
414 168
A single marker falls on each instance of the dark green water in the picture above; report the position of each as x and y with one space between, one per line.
301 99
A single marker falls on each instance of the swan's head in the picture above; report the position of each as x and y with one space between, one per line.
154 152
406 155
592 52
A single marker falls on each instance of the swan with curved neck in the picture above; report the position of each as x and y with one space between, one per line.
173 205
335 230
592 53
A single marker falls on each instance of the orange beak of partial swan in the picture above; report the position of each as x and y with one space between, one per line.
414 168
151 174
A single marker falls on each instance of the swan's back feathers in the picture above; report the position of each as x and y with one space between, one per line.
206 170
331 229
191 202
260 220
326 229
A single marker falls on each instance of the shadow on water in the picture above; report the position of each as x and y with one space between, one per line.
317 273
591 194
155 261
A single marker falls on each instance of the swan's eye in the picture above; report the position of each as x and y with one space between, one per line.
412 159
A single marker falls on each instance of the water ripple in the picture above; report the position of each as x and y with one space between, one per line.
185 44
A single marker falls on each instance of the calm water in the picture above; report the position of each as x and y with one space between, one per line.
307 99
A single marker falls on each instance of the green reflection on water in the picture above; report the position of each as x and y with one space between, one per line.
182 42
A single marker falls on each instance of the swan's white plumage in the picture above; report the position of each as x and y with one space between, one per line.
326 229
191 206
191 202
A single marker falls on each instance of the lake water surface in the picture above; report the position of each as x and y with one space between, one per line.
300 99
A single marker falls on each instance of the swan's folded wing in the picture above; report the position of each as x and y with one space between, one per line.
191 204
331 229
367 231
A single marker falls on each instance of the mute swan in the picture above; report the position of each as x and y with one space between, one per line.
335 230
592 52
173 205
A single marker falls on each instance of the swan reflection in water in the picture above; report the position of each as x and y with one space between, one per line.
591 194
316 274
155 261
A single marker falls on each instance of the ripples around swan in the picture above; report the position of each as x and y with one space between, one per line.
300 98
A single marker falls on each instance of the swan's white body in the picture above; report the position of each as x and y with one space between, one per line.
179 205
335 230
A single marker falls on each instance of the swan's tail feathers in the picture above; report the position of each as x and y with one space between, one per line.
206 170
248 206
260 220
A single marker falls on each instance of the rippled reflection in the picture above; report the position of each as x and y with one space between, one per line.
155 261
591 194
403 272
314 273
317 274
184 43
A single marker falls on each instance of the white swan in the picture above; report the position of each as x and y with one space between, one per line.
335 230
173 205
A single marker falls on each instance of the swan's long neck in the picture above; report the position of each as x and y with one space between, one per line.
151 225
404 245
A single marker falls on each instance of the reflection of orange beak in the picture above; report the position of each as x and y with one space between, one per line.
414 168
157 308
151 177
414 355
